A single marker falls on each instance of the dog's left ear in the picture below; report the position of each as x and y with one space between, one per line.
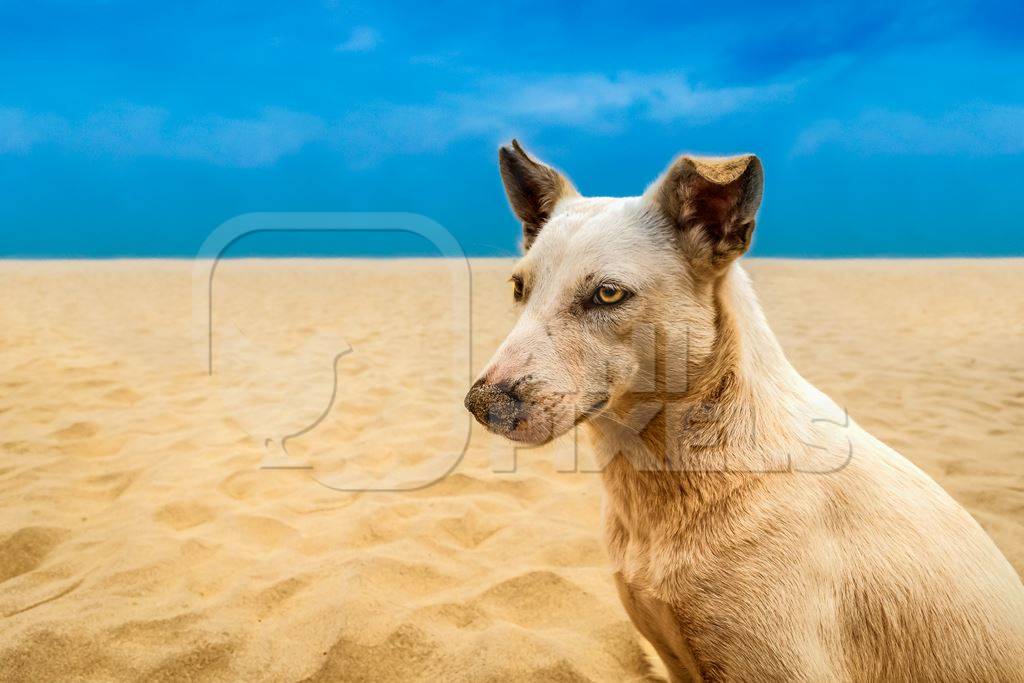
533 189
712 203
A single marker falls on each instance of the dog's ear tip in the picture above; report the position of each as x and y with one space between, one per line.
513 148
723 170
513 153
509 150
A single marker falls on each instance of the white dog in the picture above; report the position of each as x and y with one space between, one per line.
756 533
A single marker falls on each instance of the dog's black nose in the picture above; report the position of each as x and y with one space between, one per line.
495 406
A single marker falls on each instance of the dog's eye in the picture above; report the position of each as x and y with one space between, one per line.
517 288
606 295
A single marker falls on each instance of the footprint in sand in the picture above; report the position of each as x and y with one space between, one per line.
26 549
469 530
267 600
554 599
183 515
263 531
110 486
76 431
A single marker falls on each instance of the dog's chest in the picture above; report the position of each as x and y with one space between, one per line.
657 594
645 553
642 537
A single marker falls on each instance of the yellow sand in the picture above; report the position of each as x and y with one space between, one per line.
139 538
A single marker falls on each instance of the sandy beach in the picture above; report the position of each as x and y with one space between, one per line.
160 522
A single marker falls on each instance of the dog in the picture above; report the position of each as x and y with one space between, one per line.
756 533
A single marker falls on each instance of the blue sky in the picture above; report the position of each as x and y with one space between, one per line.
137 128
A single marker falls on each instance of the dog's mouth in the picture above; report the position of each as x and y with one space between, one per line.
538 430
532 419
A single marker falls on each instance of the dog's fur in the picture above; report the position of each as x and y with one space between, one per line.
756 533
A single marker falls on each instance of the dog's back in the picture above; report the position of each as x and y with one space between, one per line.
922 592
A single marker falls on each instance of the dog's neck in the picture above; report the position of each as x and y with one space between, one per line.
737 419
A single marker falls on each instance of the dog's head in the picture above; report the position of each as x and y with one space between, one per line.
603 285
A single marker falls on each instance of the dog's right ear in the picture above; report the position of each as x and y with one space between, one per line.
712 203
533 189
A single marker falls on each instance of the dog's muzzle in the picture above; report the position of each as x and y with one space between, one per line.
495 406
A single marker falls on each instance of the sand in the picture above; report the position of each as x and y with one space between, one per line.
141 539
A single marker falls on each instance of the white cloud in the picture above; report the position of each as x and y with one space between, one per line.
132 131
587 99
500 107
980 129
20 132
362 39
247 142
492 109
122 130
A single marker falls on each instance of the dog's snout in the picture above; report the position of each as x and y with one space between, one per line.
495 406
